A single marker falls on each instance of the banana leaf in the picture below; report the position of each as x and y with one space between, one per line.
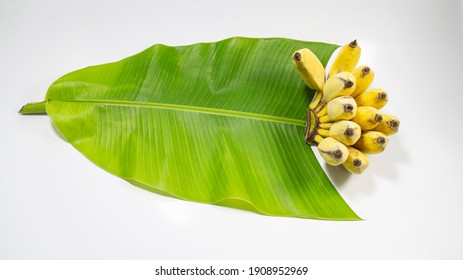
220 123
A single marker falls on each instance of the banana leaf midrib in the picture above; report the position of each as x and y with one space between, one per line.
188 108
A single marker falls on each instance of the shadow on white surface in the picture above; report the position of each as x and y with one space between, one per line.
389 162
352 185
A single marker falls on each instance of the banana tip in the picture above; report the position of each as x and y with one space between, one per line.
297 56
338 154
394 123
382 95
353 44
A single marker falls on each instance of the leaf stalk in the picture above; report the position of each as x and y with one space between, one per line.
34 108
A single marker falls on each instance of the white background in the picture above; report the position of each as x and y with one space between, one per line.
56 204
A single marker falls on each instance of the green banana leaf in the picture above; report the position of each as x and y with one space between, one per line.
220 123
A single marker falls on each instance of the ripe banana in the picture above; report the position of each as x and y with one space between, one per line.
310 69
389 125
341 84
347 59
346 132
323 132
363 77
325 125
372 142
356 162
367 117
333 151
341 108
376 98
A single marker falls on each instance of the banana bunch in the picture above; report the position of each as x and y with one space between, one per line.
344 120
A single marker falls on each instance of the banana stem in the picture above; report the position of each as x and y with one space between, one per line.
318 123
34 108
311 126
320 106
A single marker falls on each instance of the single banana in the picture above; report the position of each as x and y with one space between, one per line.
323 132
325 125
310 69
316 100
363 77
376 98
372 142
389 125
367 117
356 162
333 151
341 108
341 84
318 139
347 59
346 132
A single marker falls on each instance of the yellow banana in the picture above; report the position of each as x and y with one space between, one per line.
376 98
325 125
341 108
309 68
367 117
322 112
389 125
316 100
356 162
318 139
323 132
346 132
363 78
347 59
371 142
333 151
341 84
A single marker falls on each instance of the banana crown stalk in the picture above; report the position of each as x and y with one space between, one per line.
343 119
